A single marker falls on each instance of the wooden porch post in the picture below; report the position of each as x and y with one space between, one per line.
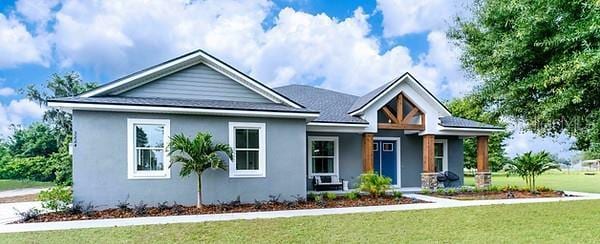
367 152
483 178
428 177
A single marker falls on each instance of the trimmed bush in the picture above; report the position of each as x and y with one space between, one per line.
374 184
56 198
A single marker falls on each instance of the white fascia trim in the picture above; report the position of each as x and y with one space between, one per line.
390 88
158 109
443 128
262 150
338 124
336 156
138 76
213 63
132 173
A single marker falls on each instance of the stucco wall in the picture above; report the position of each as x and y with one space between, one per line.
100 161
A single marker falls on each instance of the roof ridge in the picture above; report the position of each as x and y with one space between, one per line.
319 88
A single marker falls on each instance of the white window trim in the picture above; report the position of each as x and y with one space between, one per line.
335 159
132 173
445 151
262 154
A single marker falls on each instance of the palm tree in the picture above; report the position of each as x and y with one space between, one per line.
198 154
529 165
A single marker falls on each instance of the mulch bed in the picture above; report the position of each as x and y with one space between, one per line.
176 209
491 195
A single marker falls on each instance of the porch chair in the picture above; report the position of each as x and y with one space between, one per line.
321 183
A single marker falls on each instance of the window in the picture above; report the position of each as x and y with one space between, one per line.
147 155
375 147
248 143
441 155
388 147
322 156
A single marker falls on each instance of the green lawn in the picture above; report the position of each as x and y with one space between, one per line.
560 222
573 181
18 184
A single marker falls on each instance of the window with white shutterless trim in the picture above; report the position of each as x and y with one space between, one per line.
441 155
147 155
388 147
248 141
323 157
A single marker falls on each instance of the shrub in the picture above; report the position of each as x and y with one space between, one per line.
374 184
123 205
56 198
88 209
352 195
163 205
451 192
319 200
311 196
330 196
494 189
299 198
258 204
397 194
140 208
425 191
274 198
543 189
440 191
29 214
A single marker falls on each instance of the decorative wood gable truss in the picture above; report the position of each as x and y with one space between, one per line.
402 113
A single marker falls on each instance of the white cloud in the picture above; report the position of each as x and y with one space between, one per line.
36 11
6 91
18 46
17 112
401 17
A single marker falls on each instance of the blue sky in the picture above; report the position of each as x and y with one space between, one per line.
347 45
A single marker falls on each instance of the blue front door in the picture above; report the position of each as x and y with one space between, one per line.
385 160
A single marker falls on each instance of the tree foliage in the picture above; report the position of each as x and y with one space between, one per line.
197 155
539 63
472 107
67 85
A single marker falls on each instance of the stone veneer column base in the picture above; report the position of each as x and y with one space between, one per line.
429 181
483 179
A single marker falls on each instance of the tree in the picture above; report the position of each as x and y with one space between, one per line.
530 165
472 107
197 155
539 63
36 140
67 85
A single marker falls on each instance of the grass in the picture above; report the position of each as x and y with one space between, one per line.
20 184
560 222
572 181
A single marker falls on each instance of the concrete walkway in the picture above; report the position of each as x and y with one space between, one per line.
8 211
20 192
437 203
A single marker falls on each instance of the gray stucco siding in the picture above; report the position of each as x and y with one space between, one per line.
196 82
100 161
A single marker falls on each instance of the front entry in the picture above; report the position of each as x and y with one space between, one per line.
385 160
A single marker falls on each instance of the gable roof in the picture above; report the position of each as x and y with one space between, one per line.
364 101
456 122
333 106
187 60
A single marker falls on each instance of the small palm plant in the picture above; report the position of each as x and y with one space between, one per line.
529 165
196 155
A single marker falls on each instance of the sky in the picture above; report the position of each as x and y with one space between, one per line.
346 45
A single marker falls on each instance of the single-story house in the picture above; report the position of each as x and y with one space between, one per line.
282 137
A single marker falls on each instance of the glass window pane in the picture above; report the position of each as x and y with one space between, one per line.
240 160
439 164
149 160
322 165
246 160
149 135
439 149
323 148
253 138
241 138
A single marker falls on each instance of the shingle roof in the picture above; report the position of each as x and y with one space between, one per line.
362 101
333 106
450 121
185 103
